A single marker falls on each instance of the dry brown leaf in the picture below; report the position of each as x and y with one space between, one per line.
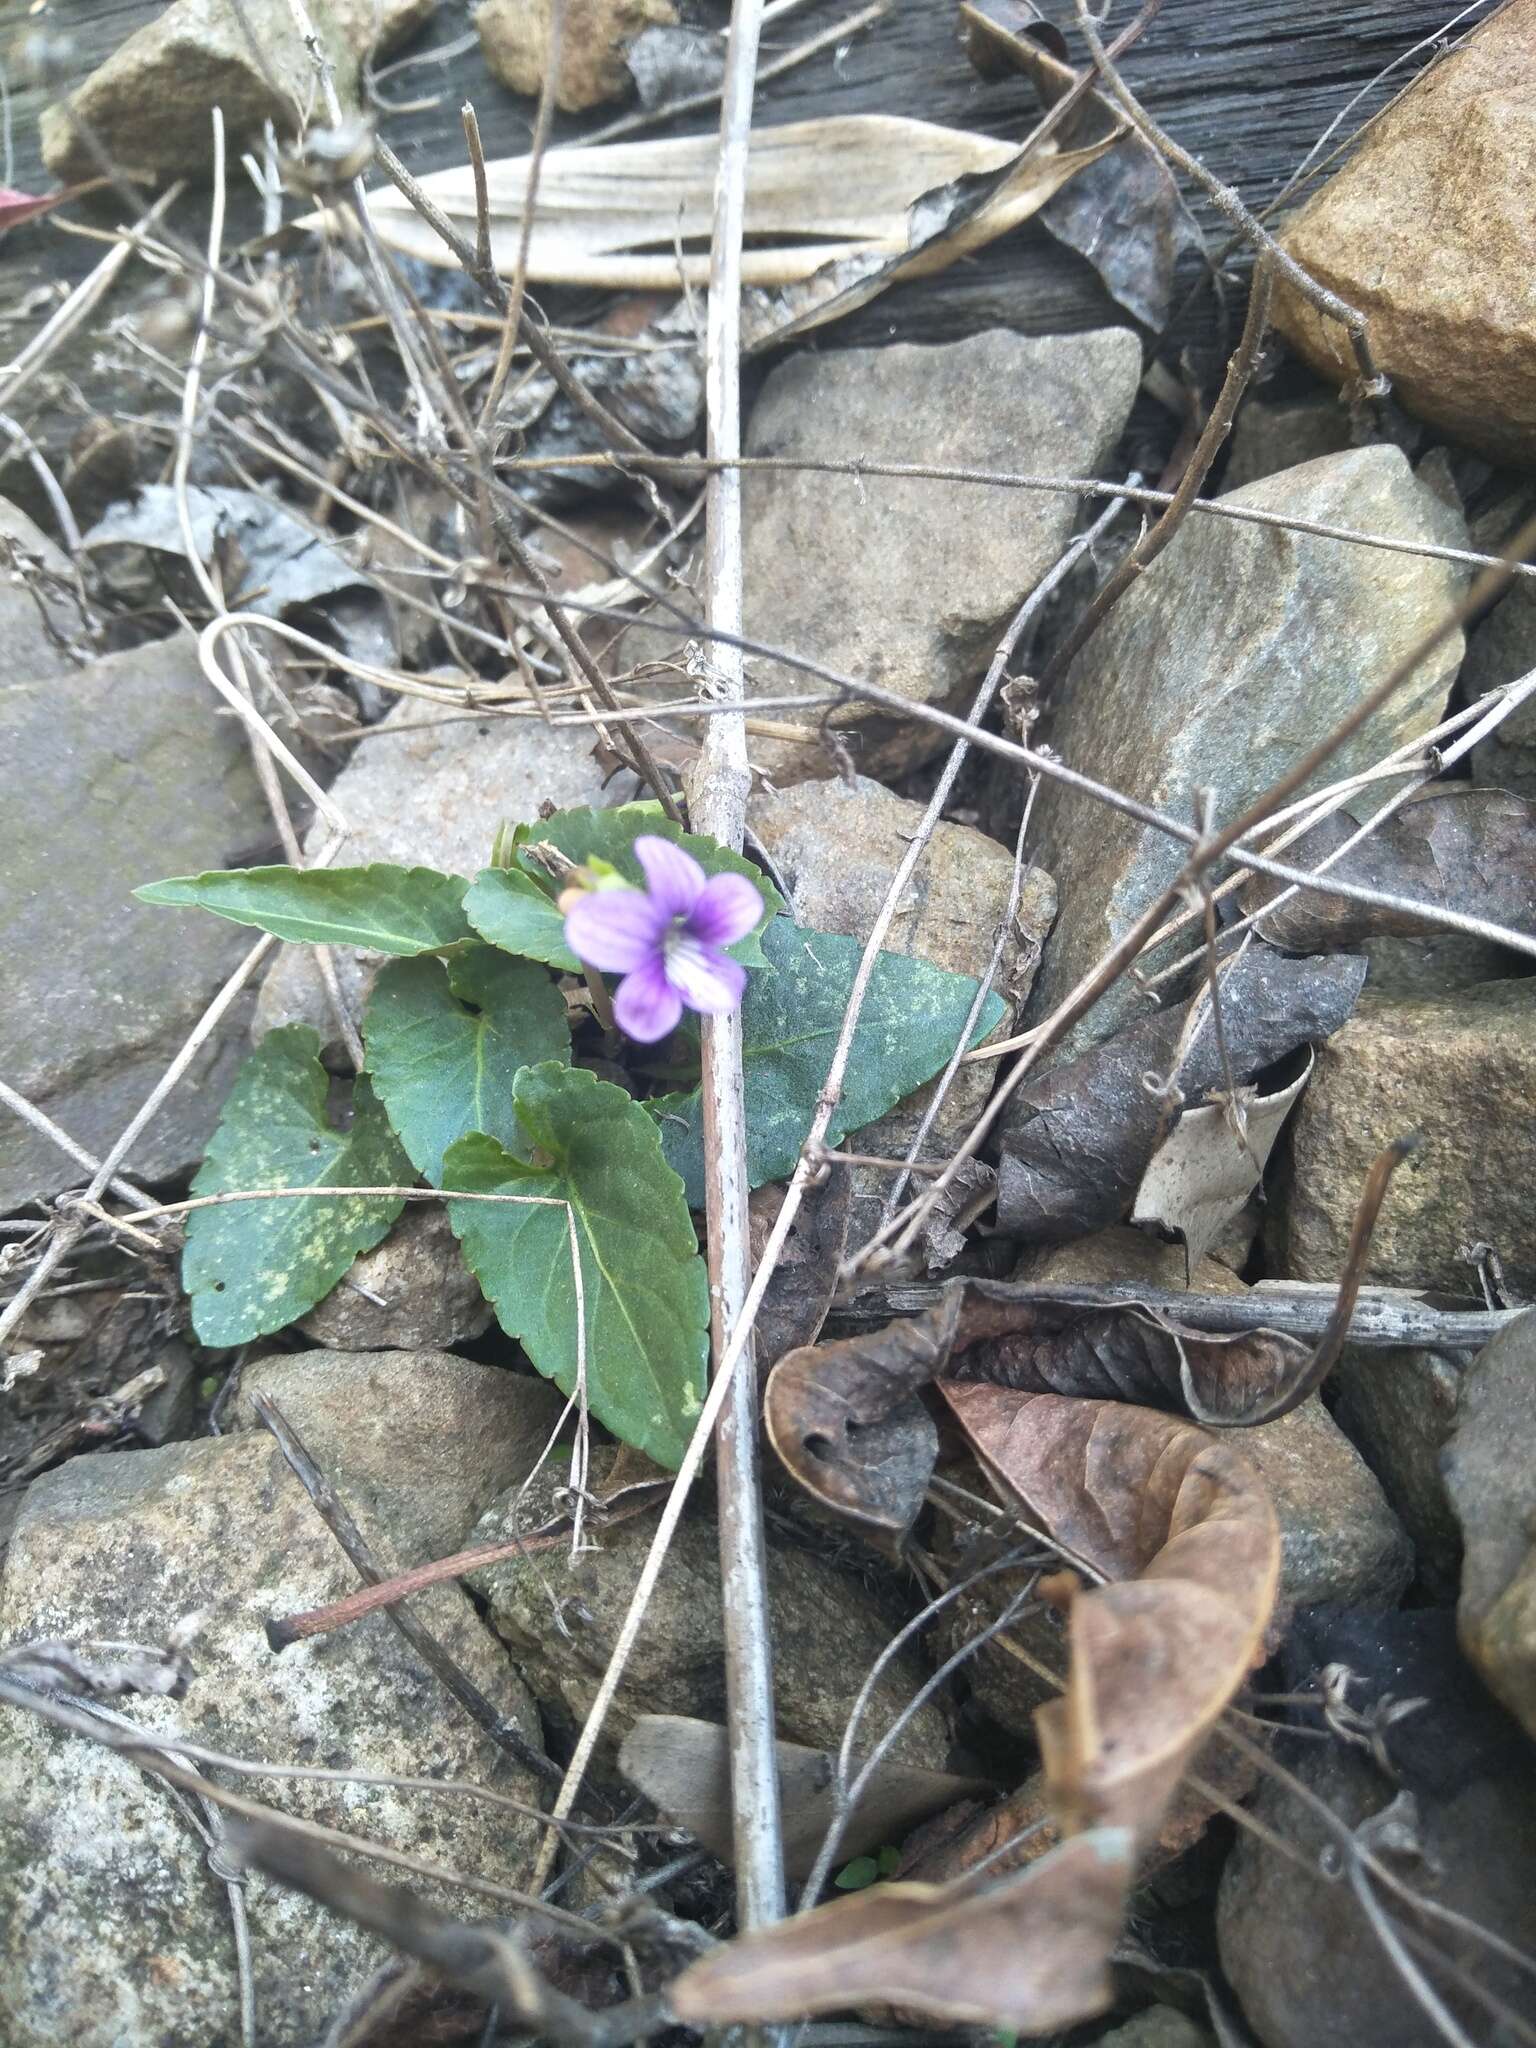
1469 850
836 210
1031 1952
1182 1526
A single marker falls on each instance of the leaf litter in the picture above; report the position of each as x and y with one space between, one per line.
1106 1429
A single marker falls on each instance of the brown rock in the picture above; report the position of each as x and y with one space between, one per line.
1490 1471
1428 230
435 1436
1462 1072
148 105
594 34
411 1292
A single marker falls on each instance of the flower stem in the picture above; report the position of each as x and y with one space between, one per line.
602 1003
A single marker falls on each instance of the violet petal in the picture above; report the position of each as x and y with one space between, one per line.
645 1004
727 909
706 979
615 930
674 878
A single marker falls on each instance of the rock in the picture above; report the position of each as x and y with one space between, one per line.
1271 437
1303 1958
1427 230
837 846
1460 1071
1222 666
412 1292
431 797
1398 1409
1501 649
1340 1543
36 624
560 1622
594 35
1410 968
117 773
1158 2027
1490 1472
148 105
903 581
431 1438
98 1866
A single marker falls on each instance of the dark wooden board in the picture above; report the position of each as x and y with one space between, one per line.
1247 84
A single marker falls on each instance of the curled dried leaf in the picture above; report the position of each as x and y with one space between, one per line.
1031 1952
1469 850
1181 1524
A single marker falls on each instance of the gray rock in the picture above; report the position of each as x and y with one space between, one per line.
1158 2027
1501 649
1269 437
1432 967
1340 1543
428 794
1398 1408
149 102
37 622
1305 1962
118 773
560 1621
467 1431
1490 1472
837 847
99 1871
903 581
1238 649
1461 1072
413 1291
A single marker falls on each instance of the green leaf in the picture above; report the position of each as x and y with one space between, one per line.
790 1020
858 1875
586 836
387 909
445 1040
252 1267
643 1282
513 912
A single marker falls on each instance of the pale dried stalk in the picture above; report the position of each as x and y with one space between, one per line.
717 794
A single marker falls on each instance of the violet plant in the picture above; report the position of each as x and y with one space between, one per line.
572 1196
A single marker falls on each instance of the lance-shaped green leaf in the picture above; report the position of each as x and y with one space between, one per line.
385 908
252 1267
643 1290
584 836
445 1039
513 912
791 1015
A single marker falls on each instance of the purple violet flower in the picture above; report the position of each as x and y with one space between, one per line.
667 940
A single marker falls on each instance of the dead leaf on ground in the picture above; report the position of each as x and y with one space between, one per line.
1203 1173
1122 213
836 210
1030 1952
1182 1526
1468 850
683 1767
1076 1165
805 1279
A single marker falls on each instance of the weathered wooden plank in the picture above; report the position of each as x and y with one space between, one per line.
1249 88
